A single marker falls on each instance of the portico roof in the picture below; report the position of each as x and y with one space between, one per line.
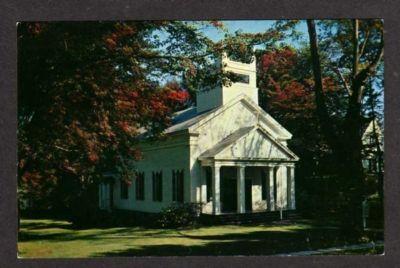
249 143
225 143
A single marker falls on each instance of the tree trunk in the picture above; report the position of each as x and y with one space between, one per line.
321 108
353 172
347 145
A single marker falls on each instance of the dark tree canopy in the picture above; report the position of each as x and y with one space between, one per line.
87 89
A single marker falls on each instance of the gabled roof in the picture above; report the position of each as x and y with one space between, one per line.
190 120
181 120
184 119
367 126
236 136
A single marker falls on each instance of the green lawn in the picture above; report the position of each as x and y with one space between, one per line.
48 238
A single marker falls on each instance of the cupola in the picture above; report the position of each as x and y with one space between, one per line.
222 94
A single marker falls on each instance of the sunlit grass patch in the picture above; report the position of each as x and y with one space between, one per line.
47 238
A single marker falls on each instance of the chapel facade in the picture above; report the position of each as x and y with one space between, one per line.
226 153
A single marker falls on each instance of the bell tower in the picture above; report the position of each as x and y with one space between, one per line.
221 94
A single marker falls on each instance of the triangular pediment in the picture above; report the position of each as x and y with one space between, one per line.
251 143
274 128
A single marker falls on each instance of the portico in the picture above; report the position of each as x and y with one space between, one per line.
251 165
257 186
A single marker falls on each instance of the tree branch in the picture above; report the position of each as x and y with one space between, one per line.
342 79
161 56
355 48
364 44
366 72
62 148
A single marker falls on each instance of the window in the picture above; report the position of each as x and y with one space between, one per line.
371 140
209 183
157 186
263 185
177 185
139 186
372 164
369 165
124 189
240 78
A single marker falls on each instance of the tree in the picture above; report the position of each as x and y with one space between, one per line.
87 90
285 83
349 53
360 61
372 110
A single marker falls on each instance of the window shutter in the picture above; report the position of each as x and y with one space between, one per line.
180 187
140 186
154 185
174 185
160 187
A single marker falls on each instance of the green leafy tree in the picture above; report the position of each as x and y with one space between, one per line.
317 95
87 90
355 49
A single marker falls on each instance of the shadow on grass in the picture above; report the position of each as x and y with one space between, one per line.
39 231
250 243
98 234
45 225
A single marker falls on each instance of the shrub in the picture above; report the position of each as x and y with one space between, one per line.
179 215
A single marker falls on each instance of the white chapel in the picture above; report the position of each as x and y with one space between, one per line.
227 154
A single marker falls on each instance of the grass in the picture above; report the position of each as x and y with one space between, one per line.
47 238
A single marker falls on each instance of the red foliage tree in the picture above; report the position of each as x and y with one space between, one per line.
86 91
286 91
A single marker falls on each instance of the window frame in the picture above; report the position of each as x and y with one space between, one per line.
241 78
140 186
124 190
178 186
157 186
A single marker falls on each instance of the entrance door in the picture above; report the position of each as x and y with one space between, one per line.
228 190
248 193
228 195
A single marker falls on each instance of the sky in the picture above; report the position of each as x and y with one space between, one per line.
259 26
256 26
246 26
251 26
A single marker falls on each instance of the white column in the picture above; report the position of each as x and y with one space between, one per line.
281 188
271 204
240 189
215 170
291 188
